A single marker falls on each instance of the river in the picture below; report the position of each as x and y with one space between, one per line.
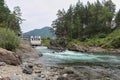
52 57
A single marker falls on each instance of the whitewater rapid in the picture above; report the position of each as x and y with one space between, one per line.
52 57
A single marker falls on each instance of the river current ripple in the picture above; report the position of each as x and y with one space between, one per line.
52 57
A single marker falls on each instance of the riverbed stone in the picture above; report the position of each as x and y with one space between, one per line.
37 78
5 78
67 72
62 78
0 77
37 71
15 77
27 68
2 63
42 76
65 75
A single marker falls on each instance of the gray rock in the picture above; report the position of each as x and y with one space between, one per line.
42 76
62 78
37 78
67 72
2 63
0 77
65 75
27 68
38 65
15 77
5 78
37 71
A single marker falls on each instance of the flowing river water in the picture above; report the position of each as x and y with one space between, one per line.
72 58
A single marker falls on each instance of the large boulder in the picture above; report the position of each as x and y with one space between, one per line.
9 57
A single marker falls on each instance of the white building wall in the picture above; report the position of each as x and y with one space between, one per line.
35 40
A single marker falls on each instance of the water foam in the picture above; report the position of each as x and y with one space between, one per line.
51 56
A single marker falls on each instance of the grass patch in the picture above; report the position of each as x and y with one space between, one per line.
110 41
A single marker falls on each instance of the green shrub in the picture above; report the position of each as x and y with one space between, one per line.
45 41
102 35
8 39
115 43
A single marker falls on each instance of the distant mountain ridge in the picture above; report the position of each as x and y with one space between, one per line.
43 32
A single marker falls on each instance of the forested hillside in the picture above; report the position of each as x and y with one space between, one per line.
93 24
45 32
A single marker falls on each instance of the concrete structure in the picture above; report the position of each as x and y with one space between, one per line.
35 40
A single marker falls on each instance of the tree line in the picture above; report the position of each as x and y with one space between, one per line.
8 19
87 21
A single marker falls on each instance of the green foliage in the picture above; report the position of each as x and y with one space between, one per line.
75 41
8 39
62 41
110 41
13 20
85 21
113 39
46 41
115 43
9 26
89 25
117 19
10 19
71 44
101 35
4 11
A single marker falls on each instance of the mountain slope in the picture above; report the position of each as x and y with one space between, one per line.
44 32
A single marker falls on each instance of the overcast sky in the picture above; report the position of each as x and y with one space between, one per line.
41 13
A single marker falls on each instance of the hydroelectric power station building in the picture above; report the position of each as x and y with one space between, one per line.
33 40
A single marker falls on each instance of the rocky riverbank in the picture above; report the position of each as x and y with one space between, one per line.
11 63
40 72
88 49
31 70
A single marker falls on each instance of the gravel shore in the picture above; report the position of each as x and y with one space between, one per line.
41 72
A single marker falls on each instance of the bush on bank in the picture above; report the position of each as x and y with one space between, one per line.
8 39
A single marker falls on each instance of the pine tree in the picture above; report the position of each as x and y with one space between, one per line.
117 19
